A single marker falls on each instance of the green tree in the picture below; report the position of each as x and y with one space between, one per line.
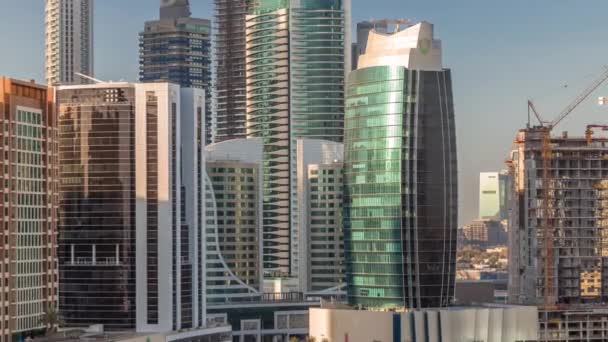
51 320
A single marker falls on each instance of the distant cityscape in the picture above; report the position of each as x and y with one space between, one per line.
275 176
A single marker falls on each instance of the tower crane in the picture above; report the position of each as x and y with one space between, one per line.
545 128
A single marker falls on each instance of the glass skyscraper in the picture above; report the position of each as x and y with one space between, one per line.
400 216
297 54
130 243
229 83
177 49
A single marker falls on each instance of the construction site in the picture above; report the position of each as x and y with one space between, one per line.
558 225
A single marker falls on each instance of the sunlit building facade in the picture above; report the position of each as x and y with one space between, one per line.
297 54
68 41
130 245
493 192
400 174
28 223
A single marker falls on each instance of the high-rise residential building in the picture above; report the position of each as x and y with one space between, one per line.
233 212
558 233
400 173
234 220
68 41
130 245
177 48
318 246
493 203
229 86
297 55
28 224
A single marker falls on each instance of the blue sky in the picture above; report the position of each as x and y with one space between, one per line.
500 53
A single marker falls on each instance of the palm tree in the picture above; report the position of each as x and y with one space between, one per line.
51 320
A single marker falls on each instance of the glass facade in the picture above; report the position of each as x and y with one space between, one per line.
317 69
295 66
229 51
178 50
268 118
234 226
400 188
326 238
97 206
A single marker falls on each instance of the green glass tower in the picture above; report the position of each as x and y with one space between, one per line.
296 61
400 216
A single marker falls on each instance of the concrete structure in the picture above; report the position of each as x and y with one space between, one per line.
472 292
489 323
177 48
485 233
400 173
130 219
28 224
297 56
96 333
68 41
574 324
318 239
229 86
579 271
271 317
493 192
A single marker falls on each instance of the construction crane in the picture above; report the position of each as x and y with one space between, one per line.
545 128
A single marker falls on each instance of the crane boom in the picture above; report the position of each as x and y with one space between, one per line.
577 101
547 192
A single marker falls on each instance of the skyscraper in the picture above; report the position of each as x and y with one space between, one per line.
230 69
562 261
177 48
296 58
233 212
400 173
130 242
318 248
28 224
68 41
493 202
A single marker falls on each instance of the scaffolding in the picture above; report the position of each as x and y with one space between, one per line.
559 224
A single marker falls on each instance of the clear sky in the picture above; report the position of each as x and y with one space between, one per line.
500 53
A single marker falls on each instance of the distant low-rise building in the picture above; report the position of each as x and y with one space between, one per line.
484 233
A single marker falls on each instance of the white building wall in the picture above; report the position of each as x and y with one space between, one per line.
489 324
68 41
166 96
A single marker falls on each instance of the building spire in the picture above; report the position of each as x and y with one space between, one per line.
171 9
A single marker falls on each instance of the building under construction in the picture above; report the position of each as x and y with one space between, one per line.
558 232
557 238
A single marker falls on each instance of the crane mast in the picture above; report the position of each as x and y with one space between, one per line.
548 234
